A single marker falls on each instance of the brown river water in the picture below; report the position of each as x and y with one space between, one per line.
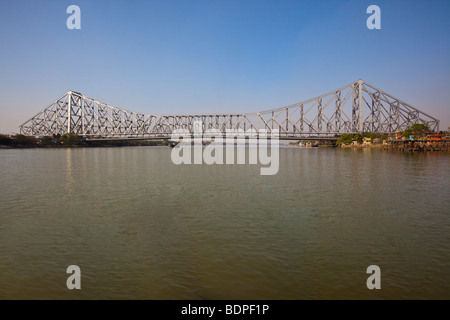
140 227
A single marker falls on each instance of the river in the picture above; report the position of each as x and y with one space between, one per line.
140 227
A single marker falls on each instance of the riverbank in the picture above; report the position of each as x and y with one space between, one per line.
74 141
70 140
106 144
361 146
409 146
401 145
419 145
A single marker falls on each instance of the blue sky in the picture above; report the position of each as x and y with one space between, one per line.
180 57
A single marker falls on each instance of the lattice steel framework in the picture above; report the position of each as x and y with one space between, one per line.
355 108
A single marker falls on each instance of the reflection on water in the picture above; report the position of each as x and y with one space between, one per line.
140 227
69 171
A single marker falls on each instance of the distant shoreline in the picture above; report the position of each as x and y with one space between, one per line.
87 145
408 146
403 145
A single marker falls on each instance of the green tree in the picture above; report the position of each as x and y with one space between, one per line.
420 129
4 140
417 130
345 138
407 133
358 137
71 139
371 135
23 140
47 140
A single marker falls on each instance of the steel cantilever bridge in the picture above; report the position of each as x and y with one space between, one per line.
356 108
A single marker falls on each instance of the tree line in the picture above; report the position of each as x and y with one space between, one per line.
417 131
68 140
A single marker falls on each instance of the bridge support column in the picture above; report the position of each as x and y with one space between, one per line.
69 112
360 106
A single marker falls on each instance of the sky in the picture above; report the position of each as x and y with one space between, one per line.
207 56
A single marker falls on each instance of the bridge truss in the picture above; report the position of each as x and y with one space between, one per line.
356 108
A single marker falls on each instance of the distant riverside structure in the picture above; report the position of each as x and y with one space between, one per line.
356 108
